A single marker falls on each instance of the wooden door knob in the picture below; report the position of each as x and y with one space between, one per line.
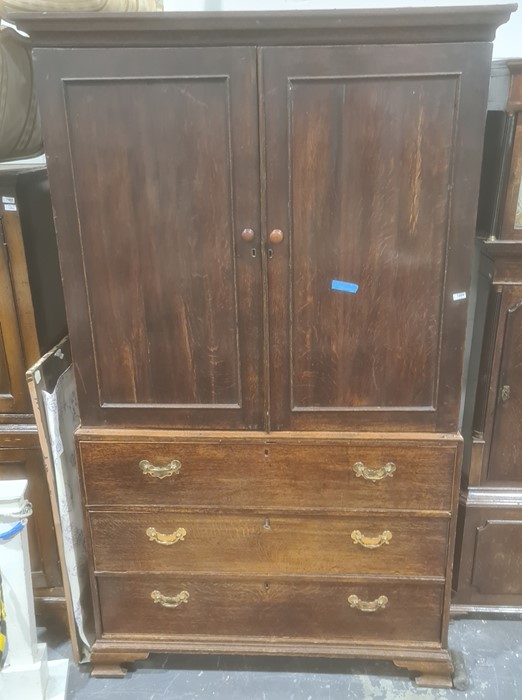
247 234
276 236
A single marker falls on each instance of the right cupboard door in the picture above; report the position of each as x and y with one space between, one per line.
372 171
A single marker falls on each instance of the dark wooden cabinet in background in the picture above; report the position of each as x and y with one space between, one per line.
32 320
488 571
265 223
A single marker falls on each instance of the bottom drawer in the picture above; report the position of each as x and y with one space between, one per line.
356 611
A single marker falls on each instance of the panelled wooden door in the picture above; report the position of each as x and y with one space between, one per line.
154 169
505 455
371 178
14 397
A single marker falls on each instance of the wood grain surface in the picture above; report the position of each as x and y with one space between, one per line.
164 297
364 181
270 475
269 543
270 607
207 193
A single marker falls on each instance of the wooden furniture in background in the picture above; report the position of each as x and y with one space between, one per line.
265 223
32 319
488 572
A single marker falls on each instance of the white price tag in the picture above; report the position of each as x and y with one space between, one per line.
459 295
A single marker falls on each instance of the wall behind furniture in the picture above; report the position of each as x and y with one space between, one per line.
508 43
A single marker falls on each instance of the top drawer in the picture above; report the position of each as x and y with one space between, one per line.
266 474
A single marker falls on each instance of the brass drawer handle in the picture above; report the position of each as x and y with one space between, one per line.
170 601
374 474
367 605
371 542
160 538
160 472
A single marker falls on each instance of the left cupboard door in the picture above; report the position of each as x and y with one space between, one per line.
153 161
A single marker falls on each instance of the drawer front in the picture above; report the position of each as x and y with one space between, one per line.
272 544
275 608
270 475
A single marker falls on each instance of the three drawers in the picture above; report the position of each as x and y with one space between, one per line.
272 538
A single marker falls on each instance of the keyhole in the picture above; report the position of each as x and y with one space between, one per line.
253 252
266 453
266 524
266 586
270 253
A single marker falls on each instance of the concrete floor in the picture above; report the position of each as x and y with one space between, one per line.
491 649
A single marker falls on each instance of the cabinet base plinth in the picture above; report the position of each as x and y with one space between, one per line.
433 668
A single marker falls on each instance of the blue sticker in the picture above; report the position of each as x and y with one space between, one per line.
340 286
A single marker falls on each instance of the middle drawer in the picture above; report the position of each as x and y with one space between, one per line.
268 544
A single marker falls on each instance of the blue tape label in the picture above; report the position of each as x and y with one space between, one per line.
341 286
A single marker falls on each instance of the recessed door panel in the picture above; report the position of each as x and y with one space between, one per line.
369 279
164 160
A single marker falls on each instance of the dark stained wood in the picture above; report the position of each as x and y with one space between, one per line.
490 512
487 571
398 25
511 223
34 246
270 607
206 194
496 162
364 179
172 294
272 543
489 574
450 553
505 453
498 568
424 659
267 474
486 361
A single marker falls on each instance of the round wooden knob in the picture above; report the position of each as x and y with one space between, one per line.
247 234
276 236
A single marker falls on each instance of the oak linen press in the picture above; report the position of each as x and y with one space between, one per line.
265 223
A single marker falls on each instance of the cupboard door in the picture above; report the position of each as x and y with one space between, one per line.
154 168
14 397
372 177
505 455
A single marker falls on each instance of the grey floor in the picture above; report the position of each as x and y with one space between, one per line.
491 652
